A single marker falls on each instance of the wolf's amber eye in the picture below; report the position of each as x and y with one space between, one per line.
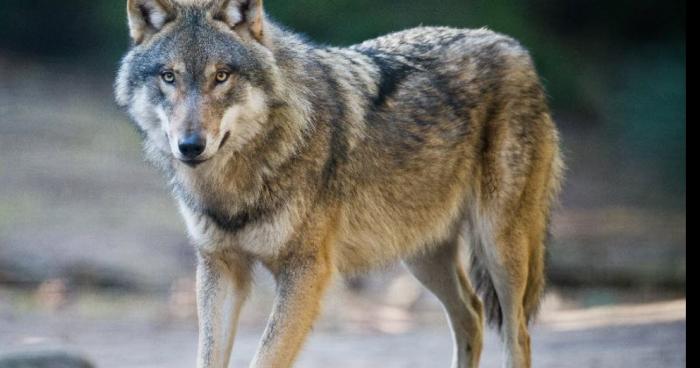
168 77
222 76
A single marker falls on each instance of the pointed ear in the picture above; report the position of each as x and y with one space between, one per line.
147 17
243 16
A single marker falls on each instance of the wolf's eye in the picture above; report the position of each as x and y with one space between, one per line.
222 76
168 77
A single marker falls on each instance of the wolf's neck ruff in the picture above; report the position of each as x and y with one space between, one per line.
238 221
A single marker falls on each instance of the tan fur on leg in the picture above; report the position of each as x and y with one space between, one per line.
222 286
441 272
300 287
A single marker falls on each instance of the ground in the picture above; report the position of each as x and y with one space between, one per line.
139 332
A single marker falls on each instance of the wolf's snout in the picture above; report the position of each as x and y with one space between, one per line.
192 145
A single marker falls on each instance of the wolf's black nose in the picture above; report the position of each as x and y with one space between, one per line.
192 145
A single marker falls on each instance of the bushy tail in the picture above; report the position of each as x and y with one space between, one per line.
538 262
483 284
484 288
534 290
536 280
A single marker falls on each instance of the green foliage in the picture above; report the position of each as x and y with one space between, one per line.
646 112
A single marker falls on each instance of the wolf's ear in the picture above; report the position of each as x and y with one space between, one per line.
243 16
147 17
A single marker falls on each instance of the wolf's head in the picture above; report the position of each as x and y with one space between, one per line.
194 80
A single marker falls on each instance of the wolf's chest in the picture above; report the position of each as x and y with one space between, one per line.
255 234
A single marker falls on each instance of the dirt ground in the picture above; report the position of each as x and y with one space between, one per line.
140 332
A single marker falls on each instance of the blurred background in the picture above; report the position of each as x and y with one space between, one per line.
93 255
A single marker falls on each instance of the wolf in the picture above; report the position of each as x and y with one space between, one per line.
317 161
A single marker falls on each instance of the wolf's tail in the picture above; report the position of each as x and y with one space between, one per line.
484 287
483 283
534 290
536 280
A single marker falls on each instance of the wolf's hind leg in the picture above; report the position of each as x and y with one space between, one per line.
442 273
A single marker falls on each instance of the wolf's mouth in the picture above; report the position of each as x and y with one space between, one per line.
193 163
223 141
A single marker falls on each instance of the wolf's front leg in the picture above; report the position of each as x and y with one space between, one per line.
223 283
301 282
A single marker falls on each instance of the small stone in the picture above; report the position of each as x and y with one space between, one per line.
44 360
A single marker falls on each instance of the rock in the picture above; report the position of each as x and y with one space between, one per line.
44 360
